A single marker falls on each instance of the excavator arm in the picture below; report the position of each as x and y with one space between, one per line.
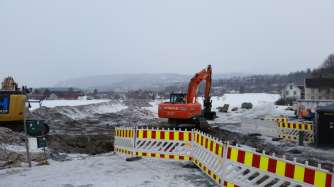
194 83
205 74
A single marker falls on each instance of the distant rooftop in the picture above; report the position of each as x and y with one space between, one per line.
319 83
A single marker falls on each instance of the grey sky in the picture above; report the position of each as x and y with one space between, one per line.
42 42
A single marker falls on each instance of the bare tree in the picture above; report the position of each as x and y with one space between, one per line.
329 62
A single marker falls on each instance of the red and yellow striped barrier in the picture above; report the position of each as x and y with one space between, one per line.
209 143
285 123
282 168
230 184
123 151
223 163
168 135
162 156
124 133
210 173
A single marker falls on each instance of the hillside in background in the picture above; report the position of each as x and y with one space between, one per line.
224 82
124 82
262 83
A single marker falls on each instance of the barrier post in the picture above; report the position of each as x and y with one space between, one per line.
301 138
134 142
224 162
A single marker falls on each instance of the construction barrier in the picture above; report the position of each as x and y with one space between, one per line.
207 153
285 123
124 141
225 164
249 168
294 130
164 144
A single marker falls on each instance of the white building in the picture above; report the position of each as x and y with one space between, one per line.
292 91
319 88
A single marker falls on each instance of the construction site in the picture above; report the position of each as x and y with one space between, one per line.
166 93
232 140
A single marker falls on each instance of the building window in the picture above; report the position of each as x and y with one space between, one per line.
291 87
294 93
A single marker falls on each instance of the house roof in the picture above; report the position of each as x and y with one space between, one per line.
319 83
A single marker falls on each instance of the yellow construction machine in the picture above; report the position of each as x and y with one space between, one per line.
12 105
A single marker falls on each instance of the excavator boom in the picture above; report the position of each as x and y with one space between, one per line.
194 83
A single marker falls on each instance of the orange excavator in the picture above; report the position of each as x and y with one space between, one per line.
184 108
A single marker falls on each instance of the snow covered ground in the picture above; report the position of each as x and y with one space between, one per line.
244 121
235 100
154 106
249 121
263 104
55 103
106 170
80 109
92 109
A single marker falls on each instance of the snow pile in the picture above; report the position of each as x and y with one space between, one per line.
263 105
55 103
81 112
282 111
235 100
106 170
106 108
154 106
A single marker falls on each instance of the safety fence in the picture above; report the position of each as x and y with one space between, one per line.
227 165
295 131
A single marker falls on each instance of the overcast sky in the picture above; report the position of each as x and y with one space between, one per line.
43 42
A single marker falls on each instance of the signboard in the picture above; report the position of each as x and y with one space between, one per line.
4 104
36 128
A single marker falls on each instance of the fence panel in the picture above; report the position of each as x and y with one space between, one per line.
256 169
292 130
124 141
207 153
164 144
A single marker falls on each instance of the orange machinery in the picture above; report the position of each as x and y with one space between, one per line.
184 107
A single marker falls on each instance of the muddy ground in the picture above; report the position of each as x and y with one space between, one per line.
94 133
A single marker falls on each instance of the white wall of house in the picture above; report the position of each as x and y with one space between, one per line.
291 91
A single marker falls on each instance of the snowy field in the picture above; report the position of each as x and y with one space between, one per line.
106 171
235 100
256 120
249 121
55 103
263 104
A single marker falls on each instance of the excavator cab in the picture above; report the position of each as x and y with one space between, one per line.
178 98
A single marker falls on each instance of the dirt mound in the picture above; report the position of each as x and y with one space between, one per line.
89 129
8 136
88 144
